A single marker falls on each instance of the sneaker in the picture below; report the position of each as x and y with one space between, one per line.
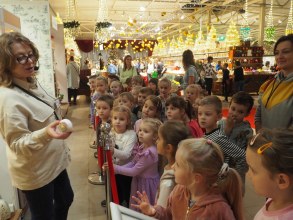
93 145
91 126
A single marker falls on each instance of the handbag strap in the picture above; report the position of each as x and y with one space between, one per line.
74 67
27 92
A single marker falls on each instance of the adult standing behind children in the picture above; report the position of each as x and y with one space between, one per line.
276 96
225 81
86 65
190 76
72 72
210 73
128 71
238 77
37 154
112 69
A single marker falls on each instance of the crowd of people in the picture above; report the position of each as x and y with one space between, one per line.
175 157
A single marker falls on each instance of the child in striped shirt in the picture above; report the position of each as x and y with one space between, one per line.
209 112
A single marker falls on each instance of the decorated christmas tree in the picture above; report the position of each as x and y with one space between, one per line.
200 41
232 36
189 40
211 39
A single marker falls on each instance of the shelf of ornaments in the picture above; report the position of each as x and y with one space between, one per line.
202 55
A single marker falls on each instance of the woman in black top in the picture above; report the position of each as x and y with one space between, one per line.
238 77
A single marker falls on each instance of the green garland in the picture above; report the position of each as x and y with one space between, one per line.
100 25
71 24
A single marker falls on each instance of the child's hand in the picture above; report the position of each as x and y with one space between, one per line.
143 204
105 167
229 125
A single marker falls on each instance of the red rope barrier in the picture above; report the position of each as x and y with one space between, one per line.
112 177
100 157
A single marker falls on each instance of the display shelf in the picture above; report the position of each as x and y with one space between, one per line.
249 57
253 81
176 59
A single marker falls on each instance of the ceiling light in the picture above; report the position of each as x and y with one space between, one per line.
182 17
142 8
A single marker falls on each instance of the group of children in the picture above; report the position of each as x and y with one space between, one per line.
176 158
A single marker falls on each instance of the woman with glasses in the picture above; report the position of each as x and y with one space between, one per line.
275 109
37 154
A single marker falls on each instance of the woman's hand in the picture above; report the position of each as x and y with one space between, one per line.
143 204
51 131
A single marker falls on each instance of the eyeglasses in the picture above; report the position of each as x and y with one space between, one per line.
24 59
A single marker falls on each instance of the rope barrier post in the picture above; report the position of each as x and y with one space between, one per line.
107 145
97 178
110 181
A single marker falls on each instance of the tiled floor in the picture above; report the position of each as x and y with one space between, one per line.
86 205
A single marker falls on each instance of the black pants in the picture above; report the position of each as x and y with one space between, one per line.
123 188
225 88
72 93
52 201
209 85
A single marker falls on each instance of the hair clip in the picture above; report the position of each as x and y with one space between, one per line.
209 142
262 148
224 171
253 139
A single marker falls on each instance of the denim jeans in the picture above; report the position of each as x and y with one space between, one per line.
52 201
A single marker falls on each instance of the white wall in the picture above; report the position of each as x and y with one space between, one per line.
35 24
59 59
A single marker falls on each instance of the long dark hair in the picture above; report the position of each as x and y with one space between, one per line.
181 103
187 59
124 63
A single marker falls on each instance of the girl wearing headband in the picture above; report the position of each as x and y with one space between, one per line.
270 159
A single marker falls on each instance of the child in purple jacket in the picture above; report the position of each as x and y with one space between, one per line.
144 166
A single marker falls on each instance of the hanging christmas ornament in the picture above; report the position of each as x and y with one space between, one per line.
245 30
289 27
270 30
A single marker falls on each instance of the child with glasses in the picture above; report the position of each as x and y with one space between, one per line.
270 159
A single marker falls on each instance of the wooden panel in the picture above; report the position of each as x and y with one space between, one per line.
11 19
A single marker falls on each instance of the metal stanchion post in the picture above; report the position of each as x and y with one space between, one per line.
107 146
97 178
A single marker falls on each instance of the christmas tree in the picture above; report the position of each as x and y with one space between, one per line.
232 36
